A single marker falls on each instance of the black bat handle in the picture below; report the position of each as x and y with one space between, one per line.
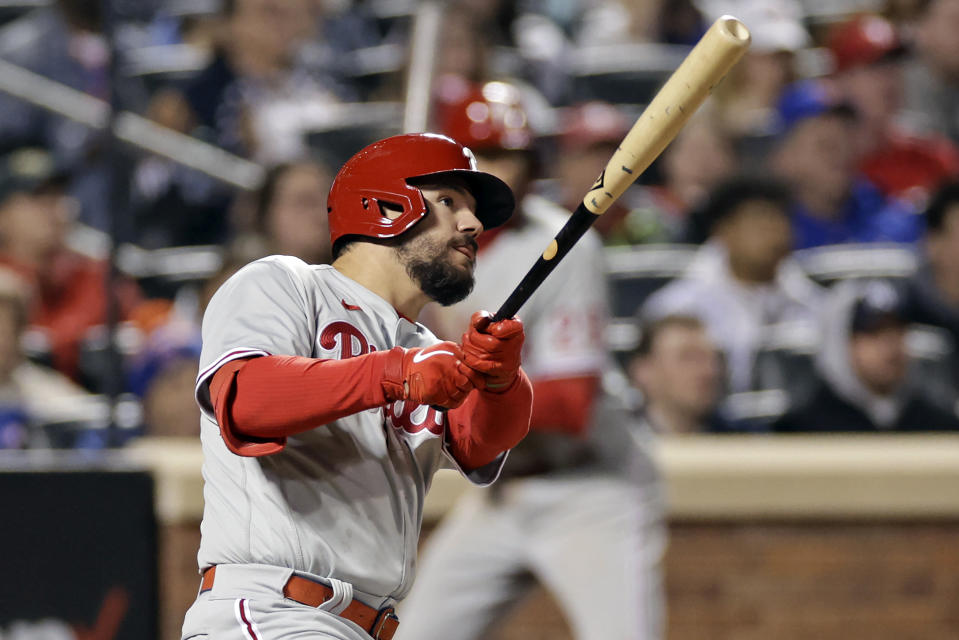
578 223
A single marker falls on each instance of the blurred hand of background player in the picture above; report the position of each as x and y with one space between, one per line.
493 350
435 375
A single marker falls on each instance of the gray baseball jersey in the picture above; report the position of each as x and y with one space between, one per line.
344 500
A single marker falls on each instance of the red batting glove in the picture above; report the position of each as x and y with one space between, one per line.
433 375
493 349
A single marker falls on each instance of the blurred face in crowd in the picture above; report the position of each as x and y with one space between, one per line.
936 37
874 90
681 374
271 30
697 160
577 169
512 167
757 236
817 158
167 406
32 226
11 319
879 357
296 220
768 72
942 247
461 49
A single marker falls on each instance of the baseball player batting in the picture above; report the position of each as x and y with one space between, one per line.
316 386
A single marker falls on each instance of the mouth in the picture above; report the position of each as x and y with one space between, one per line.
468 250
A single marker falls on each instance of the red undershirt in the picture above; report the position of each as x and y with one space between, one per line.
260 401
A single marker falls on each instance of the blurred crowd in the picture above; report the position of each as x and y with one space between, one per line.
790 263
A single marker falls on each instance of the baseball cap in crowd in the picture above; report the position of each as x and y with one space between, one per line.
775 25
28 171
878 305
808 99
591 123
863 40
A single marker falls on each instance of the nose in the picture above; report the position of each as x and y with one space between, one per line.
468 223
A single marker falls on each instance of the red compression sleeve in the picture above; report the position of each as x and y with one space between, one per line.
564 404
488 423
260 401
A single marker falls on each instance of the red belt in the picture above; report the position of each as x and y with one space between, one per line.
381 624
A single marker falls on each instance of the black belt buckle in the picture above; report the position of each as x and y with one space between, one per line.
385 624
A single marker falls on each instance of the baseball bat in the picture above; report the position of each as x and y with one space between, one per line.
718 50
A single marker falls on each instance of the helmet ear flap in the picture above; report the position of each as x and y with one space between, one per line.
397 209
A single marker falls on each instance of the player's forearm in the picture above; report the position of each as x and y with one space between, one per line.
277 396
489 423
564 404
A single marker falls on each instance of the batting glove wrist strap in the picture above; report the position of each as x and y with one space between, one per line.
433 375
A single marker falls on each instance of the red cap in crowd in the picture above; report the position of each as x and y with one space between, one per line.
590 123
863 40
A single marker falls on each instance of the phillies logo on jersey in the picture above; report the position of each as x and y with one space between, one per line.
348 338
414 418
411 419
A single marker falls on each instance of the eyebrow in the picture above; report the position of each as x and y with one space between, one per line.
459 188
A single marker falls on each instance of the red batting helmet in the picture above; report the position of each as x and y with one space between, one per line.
380 173
490 116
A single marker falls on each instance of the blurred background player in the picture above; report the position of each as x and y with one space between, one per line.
578 505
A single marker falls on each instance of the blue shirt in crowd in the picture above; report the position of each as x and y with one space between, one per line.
867 216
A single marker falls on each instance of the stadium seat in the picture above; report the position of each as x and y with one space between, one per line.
829 264
633 273
623 73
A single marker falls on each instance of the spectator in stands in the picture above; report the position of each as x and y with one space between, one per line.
932 73
589 134
31 396
746 99
863 364
678 369
933 293
291 212
868 53
70 288
257 66
672 22
163 373
815 154
698 160
742 280
65 43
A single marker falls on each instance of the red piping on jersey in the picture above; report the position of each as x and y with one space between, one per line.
350 307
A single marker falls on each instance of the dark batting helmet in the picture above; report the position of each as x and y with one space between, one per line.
380 173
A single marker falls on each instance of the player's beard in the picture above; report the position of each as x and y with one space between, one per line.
429 265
